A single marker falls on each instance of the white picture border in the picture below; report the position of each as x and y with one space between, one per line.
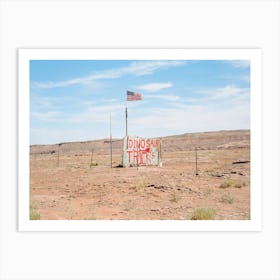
255 57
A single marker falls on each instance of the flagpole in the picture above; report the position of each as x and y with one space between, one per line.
130 96
126 120
126 116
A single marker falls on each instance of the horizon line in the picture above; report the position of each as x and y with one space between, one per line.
118 139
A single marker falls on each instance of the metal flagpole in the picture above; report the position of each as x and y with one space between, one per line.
126 120
126 133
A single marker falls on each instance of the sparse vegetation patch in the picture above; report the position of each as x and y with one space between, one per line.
139 185
75 191
209 191
33 212
226 184
240 184
227 198
175 197
203 214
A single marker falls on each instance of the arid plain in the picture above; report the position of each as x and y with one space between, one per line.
76 181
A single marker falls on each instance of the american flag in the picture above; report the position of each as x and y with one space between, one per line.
133 96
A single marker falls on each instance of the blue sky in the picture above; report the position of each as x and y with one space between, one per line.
71 100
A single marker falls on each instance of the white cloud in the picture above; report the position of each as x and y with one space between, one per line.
151 122
211 109
224 92
97 114
55 136
148 67
168 97
218 96
155 86
240 63
135 68
42 102
194 118
93 113
246 78
49 116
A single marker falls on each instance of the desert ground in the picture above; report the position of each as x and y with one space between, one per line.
76 180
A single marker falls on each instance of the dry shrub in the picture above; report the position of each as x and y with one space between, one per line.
226 184
227 198
203 214
33 212
240 184
209 191
175 197
139 185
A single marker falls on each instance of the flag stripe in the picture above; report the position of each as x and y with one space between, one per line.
133 96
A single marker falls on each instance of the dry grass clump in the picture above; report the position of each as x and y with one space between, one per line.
240 184
175 197
33 212
203 214
227 184
209 191
139 185
92 215
227 198
230 183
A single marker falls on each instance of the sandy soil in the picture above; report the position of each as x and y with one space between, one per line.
79 183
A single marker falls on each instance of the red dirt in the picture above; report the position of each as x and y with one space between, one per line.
79 184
